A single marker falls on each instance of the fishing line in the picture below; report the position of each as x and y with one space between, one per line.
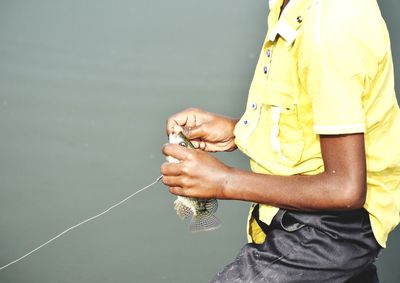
81 223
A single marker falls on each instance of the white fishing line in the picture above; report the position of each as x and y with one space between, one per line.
81 223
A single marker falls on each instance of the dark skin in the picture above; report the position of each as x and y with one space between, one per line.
342 185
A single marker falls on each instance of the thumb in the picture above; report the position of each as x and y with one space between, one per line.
197 132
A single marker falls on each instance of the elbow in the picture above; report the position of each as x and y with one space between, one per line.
353 202
353 196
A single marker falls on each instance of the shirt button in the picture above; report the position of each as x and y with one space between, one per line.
246 122
299 19
254 106
269 53
265 70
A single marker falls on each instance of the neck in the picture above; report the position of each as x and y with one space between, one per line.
285 2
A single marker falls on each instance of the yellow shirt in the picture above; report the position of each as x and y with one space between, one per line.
325 68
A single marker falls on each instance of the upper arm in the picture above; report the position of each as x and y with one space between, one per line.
345 163
341 60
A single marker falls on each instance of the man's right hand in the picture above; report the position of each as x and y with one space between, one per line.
207 131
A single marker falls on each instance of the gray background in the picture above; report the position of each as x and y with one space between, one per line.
85 88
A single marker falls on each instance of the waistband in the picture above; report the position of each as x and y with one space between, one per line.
345 225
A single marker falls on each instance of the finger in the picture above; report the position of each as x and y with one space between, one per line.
177 129
196 143
176 151
177 119
171 169
171 181
186 118
191 121
177 191
203 145
197 132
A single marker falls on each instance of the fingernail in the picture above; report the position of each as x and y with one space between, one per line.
186 131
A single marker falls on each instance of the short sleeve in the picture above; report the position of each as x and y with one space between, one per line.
336 69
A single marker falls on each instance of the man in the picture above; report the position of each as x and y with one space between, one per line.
322 131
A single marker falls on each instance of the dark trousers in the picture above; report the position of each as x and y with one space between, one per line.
308 247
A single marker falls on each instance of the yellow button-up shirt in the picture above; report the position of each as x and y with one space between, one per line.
325 68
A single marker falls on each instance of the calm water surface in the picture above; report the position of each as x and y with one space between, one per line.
85 88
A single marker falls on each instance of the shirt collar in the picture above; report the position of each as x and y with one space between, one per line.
272 3
290 20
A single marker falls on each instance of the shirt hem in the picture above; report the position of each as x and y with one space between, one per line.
339 129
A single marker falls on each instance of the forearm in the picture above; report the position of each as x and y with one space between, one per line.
342 185
325 191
